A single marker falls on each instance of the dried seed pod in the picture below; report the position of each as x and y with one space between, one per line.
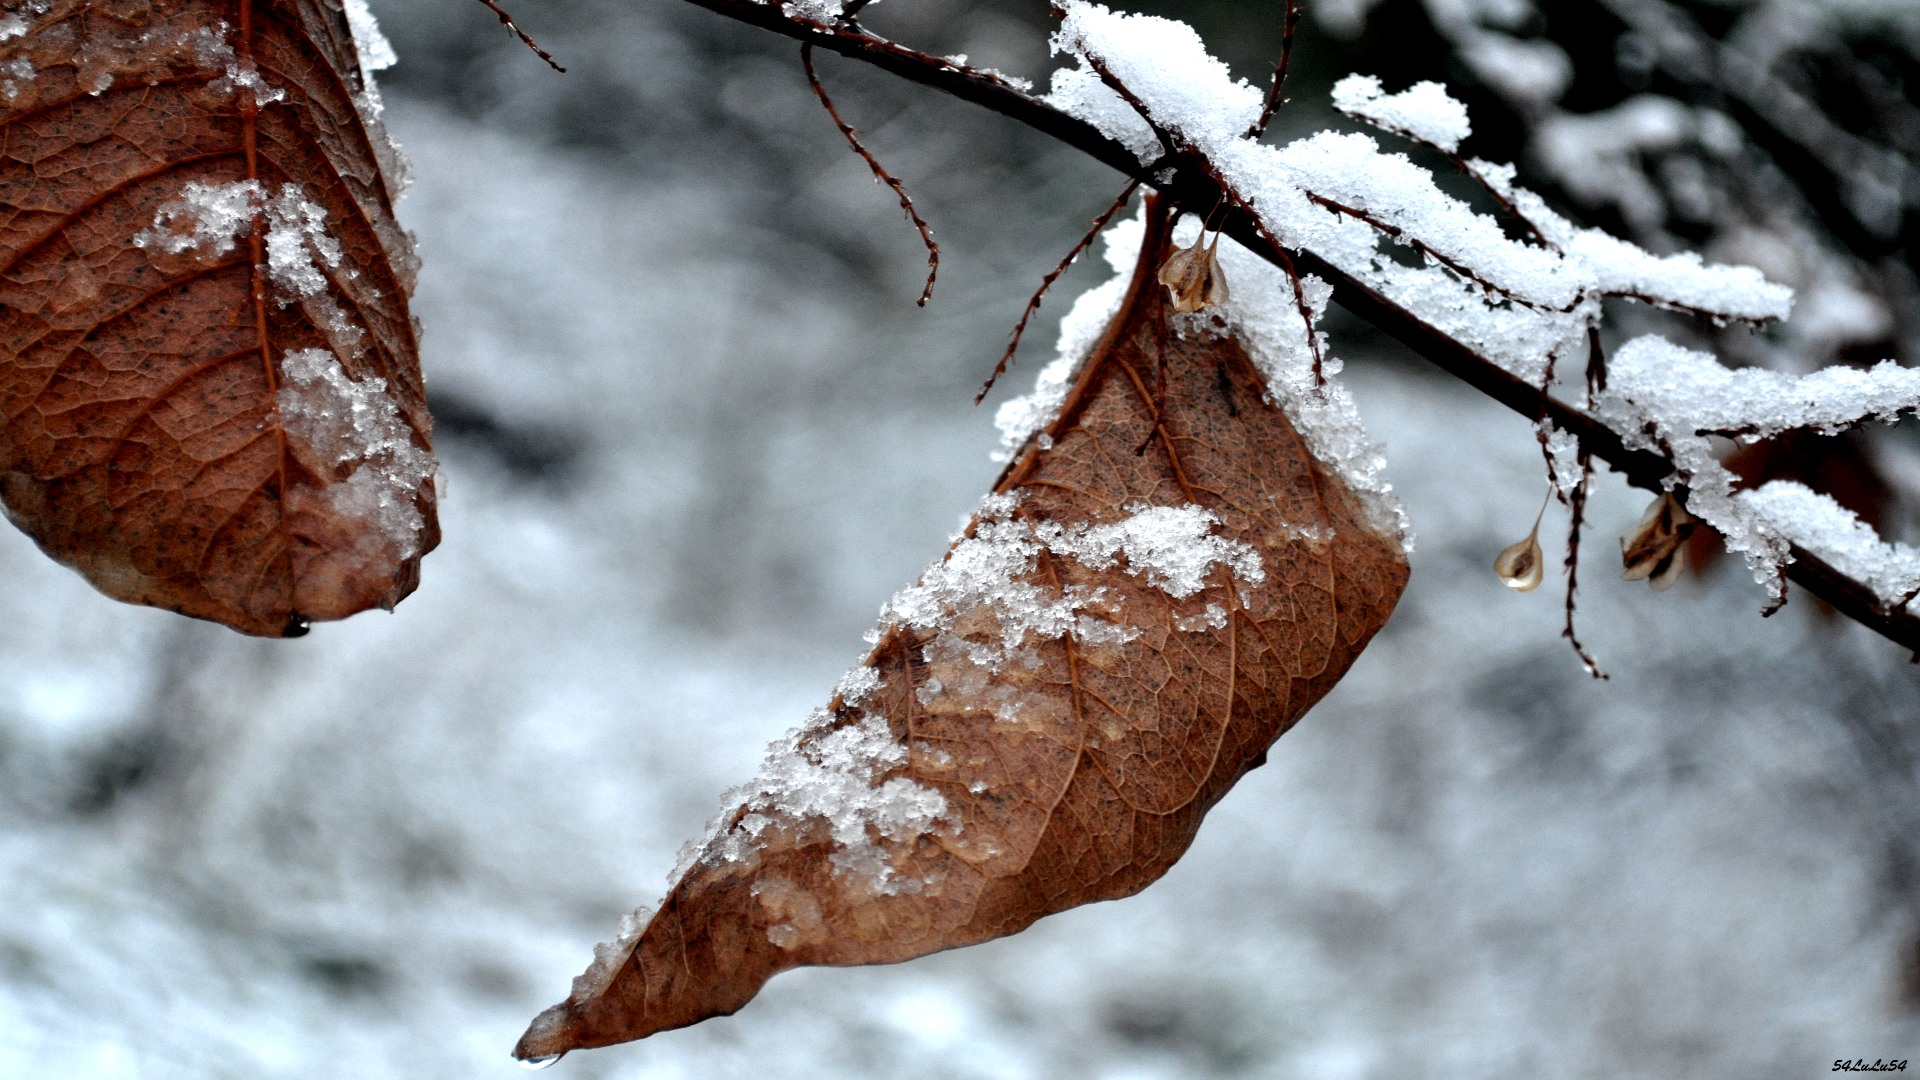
1193 278
1655 549
1522 565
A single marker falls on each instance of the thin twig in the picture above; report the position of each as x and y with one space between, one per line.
879 173
1577 502
1465 166
1274 100
1542 428
1191 186
1506 203
1033 303
1285 262
1167 141
1469 273
506 20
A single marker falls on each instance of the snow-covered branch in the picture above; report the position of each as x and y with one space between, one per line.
1147 98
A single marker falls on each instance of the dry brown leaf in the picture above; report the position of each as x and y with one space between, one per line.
1163 583
210 395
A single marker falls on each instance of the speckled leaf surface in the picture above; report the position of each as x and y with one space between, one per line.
210 397
1178 582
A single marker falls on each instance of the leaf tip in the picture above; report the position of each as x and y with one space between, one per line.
549 1037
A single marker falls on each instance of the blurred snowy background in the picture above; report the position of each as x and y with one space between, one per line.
697 433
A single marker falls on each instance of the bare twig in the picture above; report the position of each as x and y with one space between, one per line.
879 173
1577 503
506 20
1191 185
1274 100
1285 262
1033 303
1541 428
1596 366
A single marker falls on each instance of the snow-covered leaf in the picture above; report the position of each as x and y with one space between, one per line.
210 396
1162 583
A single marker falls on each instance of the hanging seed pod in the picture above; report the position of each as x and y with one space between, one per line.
1193 278
1656 548
1522 565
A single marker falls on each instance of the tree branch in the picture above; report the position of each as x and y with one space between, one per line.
1192 188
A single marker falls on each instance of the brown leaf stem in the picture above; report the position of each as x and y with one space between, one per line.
879 172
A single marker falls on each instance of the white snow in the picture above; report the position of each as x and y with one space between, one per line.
331 420
1079 91
12 26
857 685
1663 397
825 11
1822 526
609 956
298 244
209 218
244 78
1173 547
14 75
1562 452
829 772
1164 63
375 51
1681 392
206 217
1423 111
1681 280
